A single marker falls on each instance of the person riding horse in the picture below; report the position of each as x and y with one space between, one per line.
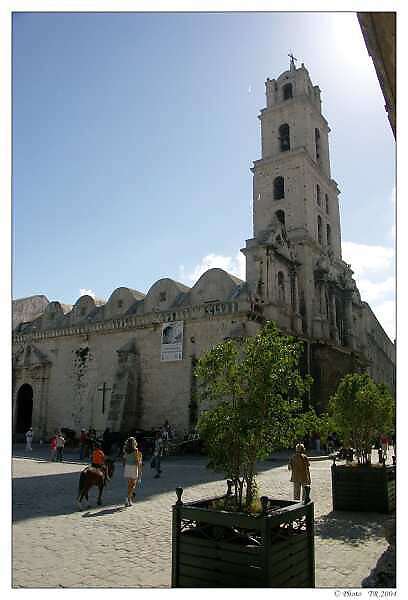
97 474
98 458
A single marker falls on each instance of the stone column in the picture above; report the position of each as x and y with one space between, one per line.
297 326
295 293
349 320
323 300
333 324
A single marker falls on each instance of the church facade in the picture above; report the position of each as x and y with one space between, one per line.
128 363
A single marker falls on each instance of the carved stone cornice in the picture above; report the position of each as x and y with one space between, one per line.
205 311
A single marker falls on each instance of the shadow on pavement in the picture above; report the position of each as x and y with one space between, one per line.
56 493
384 573
104 512
351 527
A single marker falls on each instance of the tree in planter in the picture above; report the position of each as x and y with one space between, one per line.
253 391
361 410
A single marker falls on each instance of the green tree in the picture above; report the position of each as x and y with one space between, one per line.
362 410
252 390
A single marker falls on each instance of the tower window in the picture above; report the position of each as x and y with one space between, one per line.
287 91
318 195
319 229
326 197
284 139
317 144
278 188
328 232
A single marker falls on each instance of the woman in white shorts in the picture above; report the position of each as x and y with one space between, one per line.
132 461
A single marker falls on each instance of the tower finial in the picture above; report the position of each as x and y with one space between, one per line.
292 62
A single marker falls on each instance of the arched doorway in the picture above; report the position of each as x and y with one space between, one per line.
24 408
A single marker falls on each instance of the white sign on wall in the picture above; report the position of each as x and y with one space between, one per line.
172 341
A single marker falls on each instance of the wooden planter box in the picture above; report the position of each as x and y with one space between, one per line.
214 548
363 488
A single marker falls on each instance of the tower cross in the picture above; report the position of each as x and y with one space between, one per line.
292 59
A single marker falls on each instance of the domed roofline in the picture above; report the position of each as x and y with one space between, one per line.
84 297
180 286
236 280
135 293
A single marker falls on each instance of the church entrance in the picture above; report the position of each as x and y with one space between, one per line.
24 407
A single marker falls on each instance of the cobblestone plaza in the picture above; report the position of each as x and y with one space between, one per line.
55 545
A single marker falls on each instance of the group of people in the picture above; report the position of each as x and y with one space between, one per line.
57 445
87 443
132 460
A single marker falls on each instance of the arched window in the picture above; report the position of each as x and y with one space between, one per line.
287 91
317 144
328 234
319 229
318 196
280 215
284 138
281 286
278 188
326 197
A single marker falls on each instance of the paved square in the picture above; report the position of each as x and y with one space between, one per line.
56 545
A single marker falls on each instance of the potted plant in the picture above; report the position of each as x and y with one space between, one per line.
362 410
251 390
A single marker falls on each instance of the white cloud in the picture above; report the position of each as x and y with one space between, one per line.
85 292
373 268
385 313
232 264
372 292
367 259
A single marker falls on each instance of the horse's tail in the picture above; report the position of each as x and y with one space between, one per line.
81 482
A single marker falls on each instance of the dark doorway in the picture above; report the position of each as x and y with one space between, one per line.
24 408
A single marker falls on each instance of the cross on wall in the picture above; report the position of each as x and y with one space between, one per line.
104 388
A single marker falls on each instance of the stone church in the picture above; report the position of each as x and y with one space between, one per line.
128 362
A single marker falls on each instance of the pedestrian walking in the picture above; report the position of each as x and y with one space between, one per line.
53 448
299 465
91 440
165 434
29 440
157 454
132 462
82 444
106 441
384 446
60 447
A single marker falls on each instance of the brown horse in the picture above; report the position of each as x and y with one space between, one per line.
92 476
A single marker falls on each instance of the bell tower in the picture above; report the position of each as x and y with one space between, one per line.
296 220
292 178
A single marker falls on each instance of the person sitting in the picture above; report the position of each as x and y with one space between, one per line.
98 458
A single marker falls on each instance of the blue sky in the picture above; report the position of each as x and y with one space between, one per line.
133 136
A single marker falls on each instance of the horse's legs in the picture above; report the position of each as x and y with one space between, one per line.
100 494
80 497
